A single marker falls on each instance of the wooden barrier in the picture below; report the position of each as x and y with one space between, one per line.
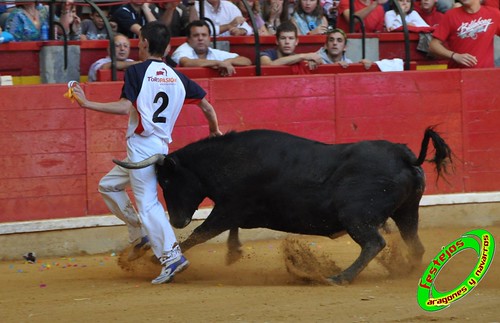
54 152
22 58
241 71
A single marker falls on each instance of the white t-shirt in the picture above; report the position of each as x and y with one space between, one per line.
158 94
226 12
185 50
393 20
92 77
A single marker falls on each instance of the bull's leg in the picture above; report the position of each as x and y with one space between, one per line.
406 219
215 224
234 247
371 242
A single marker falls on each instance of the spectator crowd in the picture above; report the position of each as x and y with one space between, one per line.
28 21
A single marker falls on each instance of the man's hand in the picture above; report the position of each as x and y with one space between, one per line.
320 30
237 21
465 59
78 94
312 57
367 63
225 68
312 65
235 31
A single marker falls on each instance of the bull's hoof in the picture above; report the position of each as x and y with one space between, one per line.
233 256
338 280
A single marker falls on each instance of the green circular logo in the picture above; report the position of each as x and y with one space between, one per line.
482 242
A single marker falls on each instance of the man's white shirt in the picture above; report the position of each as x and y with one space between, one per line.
226 12
185 50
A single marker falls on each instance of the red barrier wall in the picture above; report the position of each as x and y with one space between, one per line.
54 152
22 58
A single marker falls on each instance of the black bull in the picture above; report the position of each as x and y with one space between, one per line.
274 180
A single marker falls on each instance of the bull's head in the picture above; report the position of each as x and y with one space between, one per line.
182 190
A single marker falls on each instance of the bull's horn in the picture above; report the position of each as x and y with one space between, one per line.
155 159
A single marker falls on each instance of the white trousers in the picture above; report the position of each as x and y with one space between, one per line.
150 217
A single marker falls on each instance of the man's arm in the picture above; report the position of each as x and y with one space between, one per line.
167 16
120 65
122 106
136 28
211 116
239 61
437 48
291 59
198 62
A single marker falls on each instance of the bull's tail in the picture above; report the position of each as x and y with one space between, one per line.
442 156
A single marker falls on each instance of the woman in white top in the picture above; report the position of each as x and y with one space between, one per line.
393 19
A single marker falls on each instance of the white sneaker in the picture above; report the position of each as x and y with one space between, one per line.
170 268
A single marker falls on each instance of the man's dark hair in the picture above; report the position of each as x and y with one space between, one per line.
196 23
336 30
158 37
286 26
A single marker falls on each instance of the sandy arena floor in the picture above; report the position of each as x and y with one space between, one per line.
258 288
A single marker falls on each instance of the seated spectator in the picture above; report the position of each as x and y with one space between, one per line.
333 52
26 20
132 16
428 11
286 41
371 12
122 53
94 28
331 12
393 19
274 12
175 15
309 18
227 18
70 20
259 21
196 51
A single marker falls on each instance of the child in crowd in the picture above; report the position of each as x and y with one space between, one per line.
309 18
274 13
70 20
94 28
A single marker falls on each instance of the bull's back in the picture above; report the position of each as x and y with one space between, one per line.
293 184
276 156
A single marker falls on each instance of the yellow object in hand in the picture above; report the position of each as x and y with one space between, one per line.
69 94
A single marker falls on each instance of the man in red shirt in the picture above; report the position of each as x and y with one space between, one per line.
372 13
428 11
469 33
